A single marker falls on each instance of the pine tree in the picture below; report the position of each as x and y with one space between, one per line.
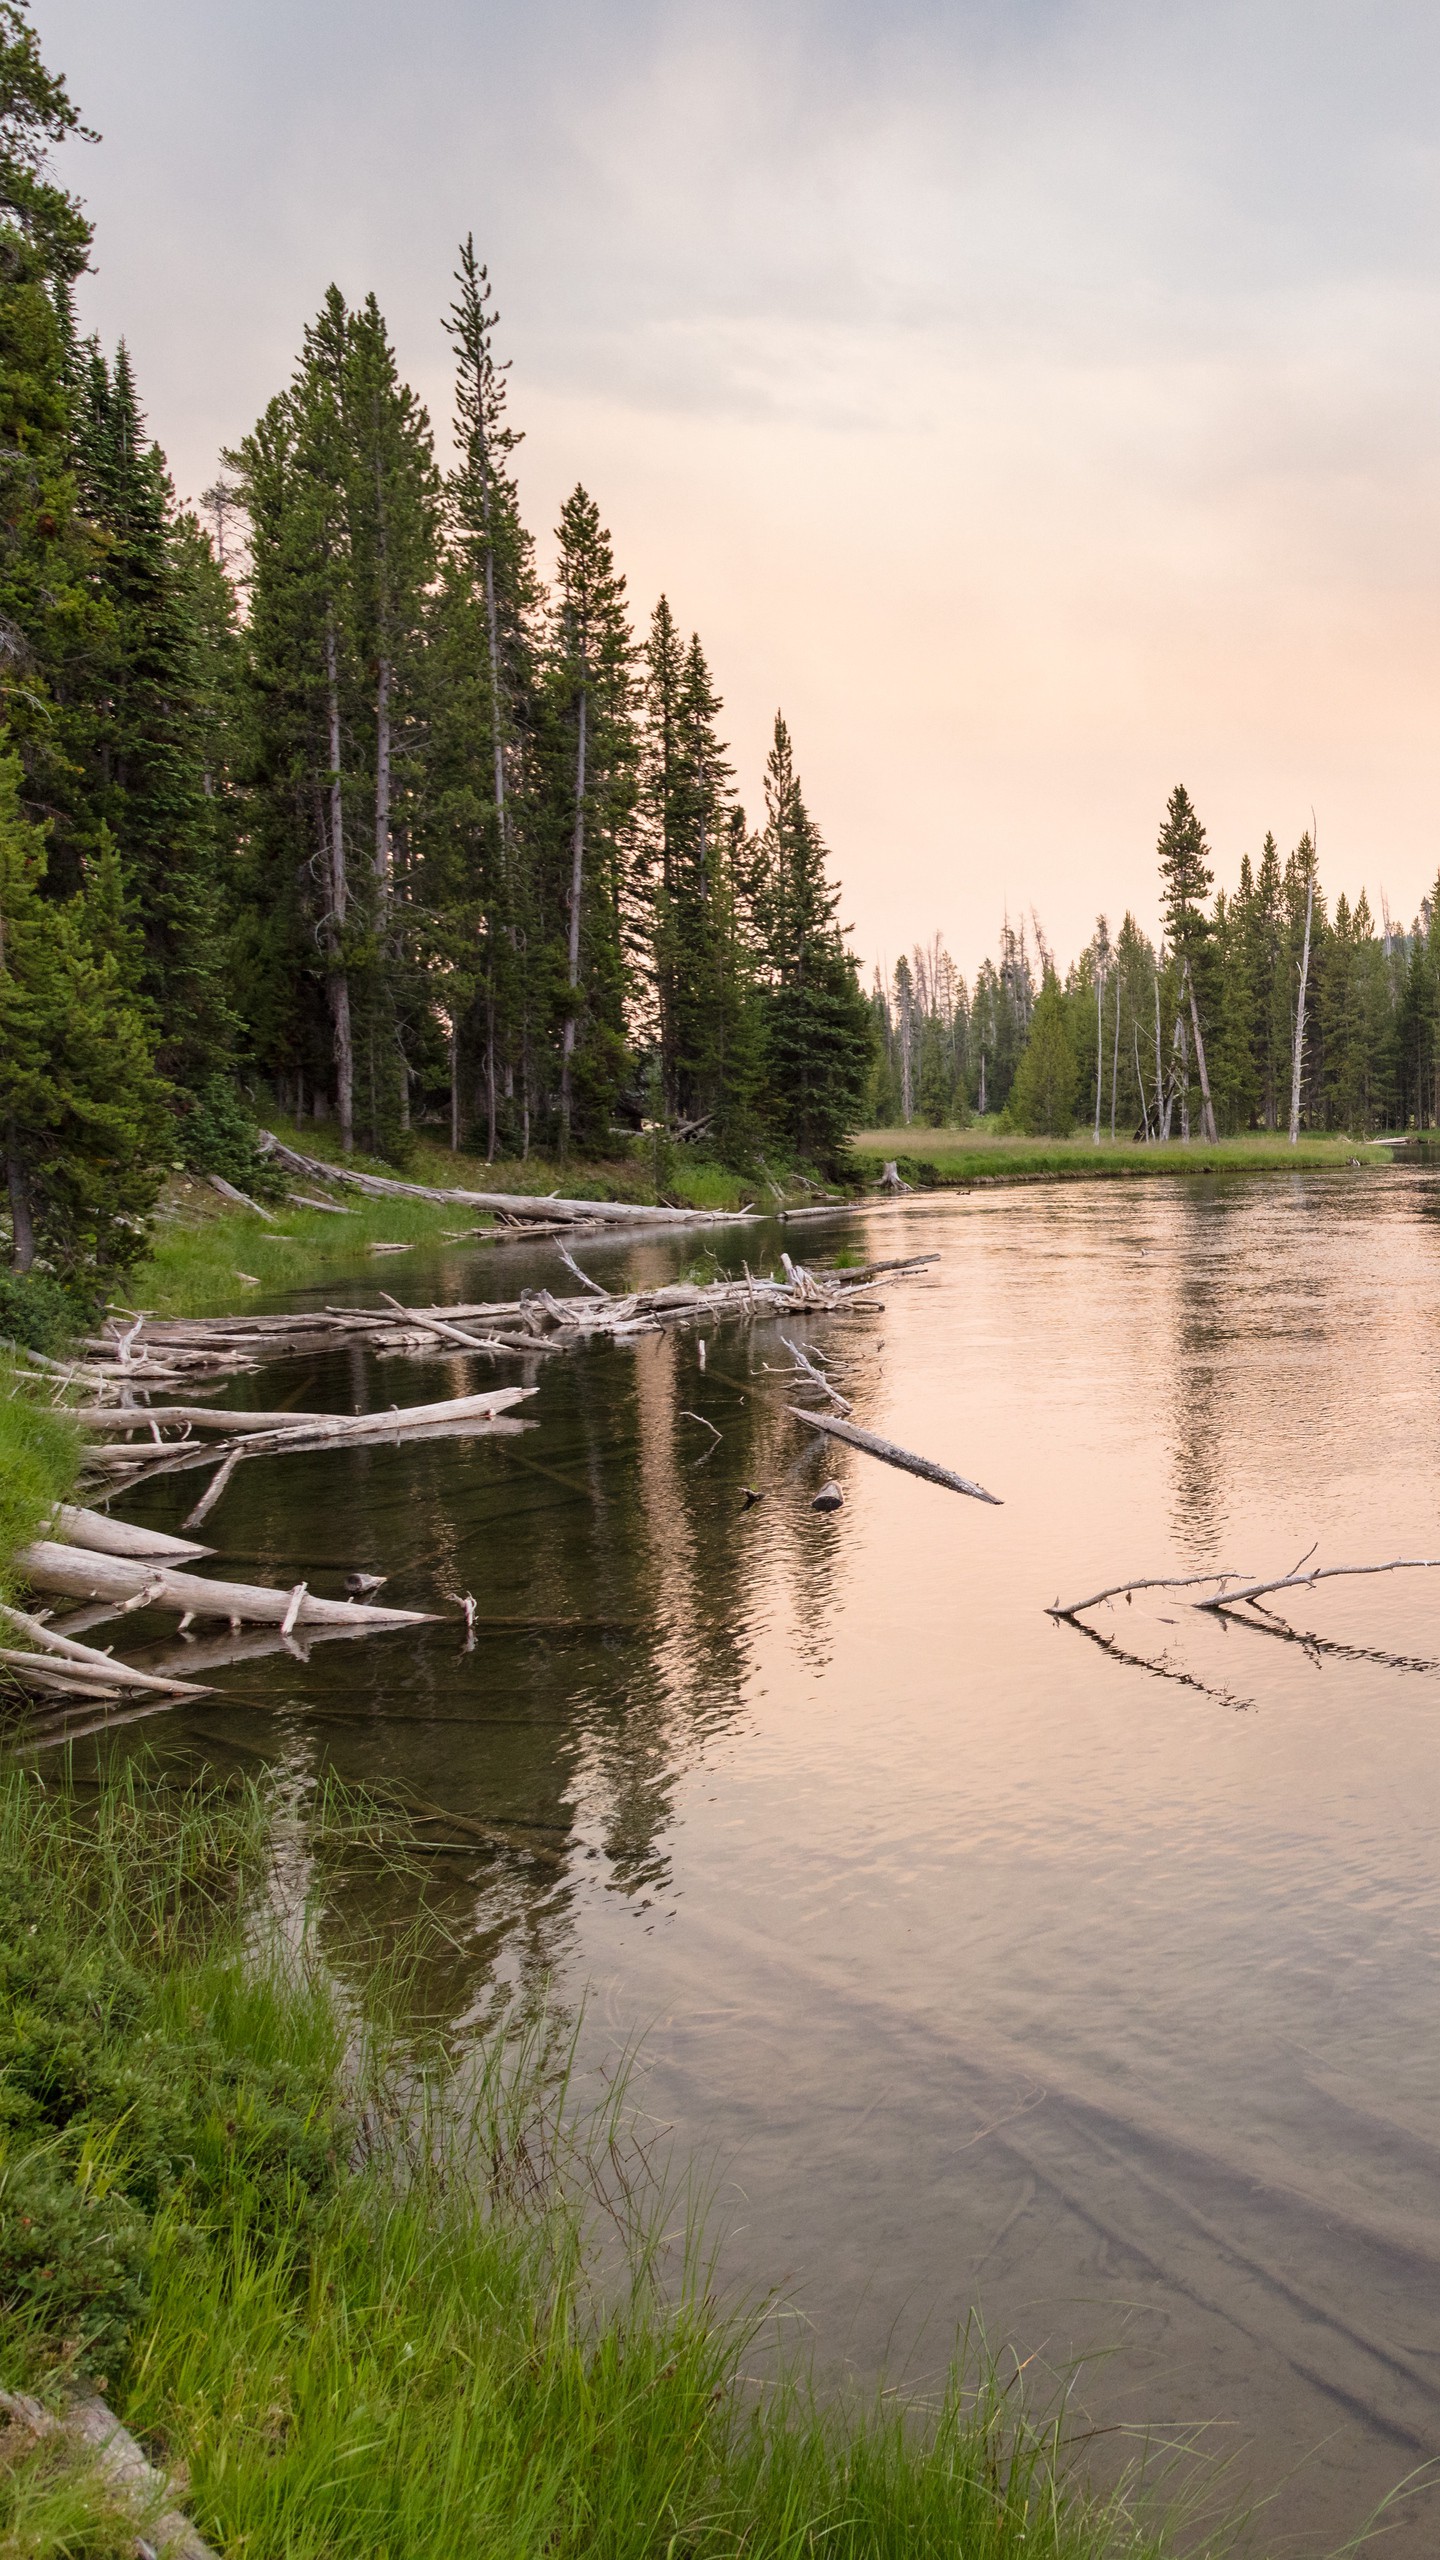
1185 883
1042 1098
82 1109
54 624
817 1025
593 767
485 719
144 754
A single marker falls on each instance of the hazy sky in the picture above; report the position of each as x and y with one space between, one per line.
1040 401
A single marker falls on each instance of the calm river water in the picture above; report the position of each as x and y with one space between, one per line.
988 1967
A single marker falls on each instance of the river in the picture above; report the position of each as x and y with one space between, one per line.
981 1965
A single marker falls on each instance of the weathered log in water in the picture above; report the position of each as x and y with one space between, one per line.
892 1454
55 1654
81 1528
76 1573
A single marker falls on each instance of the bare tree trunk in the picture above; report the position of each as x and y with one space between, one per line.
982 1084
1207 1107
492 1121
577 883
1162 1115
454 1087
1182 1042
338 985
1099 1048
1140 1080
1115 1060
1298 1048
22 1255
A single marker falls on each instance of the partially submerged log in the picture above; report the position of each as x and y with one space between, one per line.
78 1574
892 1454
56 1652
81 1528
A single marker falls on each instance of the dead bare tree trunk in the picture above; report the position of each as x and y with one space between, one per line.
1298 1045
338 982
1207 1107
1140 1081
1162 1113
1099 1048
577 884
1115 1059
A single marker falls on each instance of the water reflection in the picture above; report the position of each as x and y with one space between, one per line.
996 1968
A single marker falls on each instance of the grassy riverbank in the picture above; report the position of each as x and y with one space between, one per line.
987 1154
354 2336
208 1255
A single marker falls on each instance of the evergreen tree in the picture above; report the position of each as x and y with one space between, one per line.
145 743
1185 883
817 1024
485 717
1042 1098
82 1109
593 761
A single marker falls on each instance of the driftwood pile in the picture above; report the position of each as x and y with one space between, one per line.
143 1381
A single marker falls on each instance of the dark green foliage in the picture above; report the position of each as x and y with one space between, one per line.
39 1312
83 1123
219 1134
1042 1098
818 1033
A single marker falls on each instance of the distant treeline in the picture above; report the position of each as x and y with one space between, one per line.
326 792
1136 1039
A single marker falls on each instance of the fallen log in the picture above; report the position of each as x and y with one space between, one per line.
228 1423
241 1199
57 1651
320 1430
78 1574
132 2482
214 1489
892 1454
80 1528
513 1204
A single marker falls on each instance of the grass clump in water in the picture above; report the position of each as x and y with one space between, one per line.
356 2292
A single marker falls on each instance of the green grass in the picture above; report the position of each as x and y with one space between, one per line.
39 1454
982 1154
356 2290
204 1244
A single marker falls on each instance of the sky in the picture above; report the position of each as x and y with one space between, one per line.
1039 400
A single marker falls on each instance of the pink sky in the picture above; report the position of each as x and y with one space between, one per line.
1038 401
